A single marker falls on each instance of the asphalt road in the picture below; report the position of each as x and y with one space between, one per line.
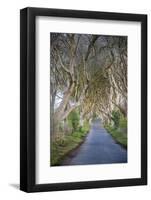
98 148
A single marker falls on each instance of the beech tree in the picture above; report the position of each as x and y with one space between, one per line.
88 72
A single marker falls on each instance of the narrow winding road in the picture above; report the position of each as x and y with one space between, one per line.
98 148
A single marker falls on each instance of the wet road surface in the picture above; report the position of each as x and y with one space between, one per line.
98 148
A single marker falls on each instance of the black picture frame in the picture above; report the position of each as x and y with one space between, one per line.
28 99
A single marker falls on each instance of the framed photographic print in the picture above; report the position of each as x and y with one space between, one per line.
83 95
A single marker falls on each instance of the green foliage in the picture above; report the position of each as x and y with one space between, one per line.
118 130
85 128
74 119
62 146
116 118
123 122
117 135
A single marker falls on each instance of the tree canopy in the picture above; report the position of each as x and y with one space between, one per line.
88 72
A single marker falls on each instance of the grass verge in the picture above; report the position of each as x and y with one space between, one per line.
62 146
120 137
